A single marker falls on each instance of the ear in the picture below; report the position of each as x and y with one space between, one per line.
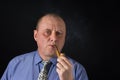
35 35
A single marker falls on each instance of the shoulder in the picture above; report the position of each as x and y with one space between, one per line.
23 58
74 62
79 70
19 63
76 65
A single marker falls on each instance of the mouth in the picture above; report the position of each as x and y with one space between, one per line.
52 46
55 48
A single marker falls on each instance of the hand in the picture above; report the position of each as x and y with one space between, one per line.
64 68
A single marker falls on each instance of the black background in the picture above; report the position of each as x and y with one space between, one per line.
90 39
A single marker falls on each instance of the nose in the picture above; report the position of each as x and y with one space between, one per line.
53 37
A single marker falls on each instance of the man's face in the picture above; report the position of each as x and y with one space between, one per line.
51 30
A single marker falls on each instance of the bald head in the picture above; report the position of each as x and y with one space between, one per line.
50 16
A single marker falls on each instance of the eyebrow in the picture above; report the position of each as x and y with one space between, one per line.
56 30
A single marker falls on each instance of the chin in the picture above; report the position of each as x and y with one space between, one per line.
50 53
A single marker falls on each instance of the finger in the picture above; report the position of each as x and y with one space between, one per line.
65 59
58 71
59 66
62 54
63 63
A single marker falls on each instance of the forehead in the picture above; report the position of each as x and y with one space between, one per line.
51 21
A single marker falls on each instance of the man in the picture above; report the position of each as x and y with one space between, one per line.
49 34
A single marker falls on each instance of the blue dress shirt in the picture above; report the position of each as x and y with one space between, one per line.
28 66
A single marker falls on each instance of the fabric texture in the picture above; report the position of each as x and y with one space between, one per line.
28 66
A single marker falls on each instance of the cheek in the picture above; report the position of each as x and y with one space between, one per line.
42 41
61 43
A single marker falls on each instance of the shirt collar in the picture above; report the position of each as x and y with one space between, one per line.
38 59
54 60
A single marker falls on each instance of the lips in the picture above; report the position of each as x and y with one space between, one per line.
53 46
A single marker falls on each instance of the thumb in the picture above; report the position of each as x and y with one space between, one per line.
62 54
